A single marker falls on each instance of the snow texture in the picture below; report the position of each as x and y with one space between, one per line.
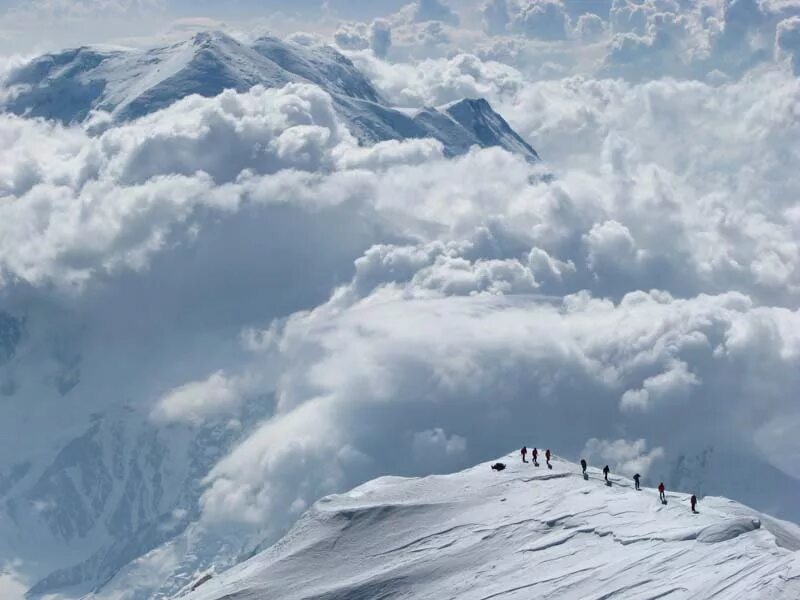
523 533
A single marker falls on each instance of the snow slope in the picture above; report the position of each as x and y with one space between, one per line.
68 86
522 533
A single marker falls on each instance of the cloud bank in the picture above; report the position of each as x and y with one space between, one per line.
241 268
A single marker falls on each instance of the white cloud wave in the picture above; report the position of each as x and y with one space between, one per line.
197 401
498 369
625 457
408 313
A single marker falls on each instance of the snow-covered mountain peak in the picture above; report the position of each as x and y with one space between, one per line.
524 532
476 115
68 86
210 37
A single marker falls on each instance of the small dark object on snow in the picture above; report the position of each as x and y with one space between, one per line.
498 466
200 581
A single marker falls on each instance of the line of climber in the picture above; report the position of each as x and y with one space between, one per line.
606 470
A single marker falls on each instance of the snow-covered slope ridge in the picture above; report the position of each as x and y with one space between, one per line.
67 86
522 533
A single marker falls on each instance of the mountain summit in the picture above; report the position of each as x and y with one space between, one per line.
521 533
69 86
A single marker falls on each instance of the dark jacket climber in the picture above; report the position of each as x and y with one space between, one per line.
524 453
661 495
606 470
534 456
694 503
583 465
636 481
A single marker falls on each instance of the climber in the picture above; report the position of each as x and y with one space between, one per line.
694 503
661 495
524 453
547 458
583 466
606 470
636 482
534 456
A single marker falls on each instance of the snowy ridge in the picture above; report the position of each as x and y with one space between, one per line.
525 532
69 86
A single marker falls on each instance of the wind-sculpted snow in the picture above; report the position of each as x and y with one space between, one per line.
525 532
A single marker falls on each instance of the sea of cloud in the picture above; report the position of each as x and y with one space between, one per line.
635 298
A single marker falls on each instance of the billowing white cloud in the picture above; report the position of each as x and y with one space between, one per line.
380 37
113 199
479 363
623 457
675 383
589 27
496 16
434 445
196 401
406 313
352 36
434 10
787 42
541 19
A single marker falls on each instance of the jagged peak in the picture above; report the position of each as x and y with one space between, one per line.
214 38
479 104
